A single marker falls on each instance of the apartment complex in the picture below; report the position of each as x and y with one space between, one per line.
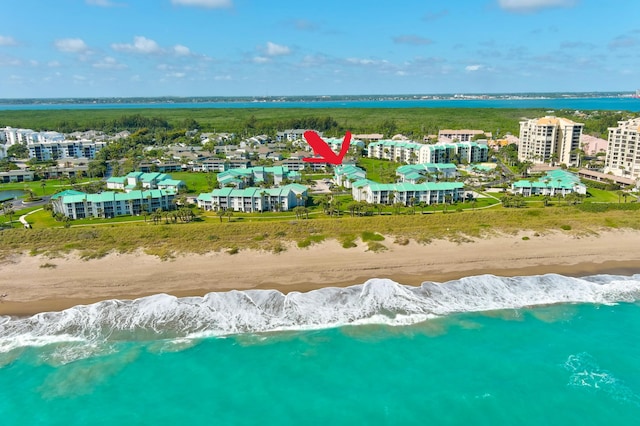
254 199
416 153
45 146
549 140
623 155
78 205
407 193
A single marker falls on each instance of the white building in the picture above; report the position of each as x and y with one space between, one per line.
415 153
549 140
407 193
254 199
623 153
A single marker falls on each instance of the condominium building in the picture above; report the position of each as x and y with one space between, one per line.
623 153
549 140
415 153
78 205
254 199
407 193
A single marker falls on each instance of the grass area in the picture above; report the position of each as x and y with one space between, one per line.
382 171
197 182
51 185
601 196
211 235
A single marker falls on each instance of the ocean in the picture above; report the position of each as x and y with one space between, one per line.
483 350
567 103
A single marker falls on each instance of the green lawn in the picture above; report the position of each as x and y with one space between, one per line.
382 171
197 182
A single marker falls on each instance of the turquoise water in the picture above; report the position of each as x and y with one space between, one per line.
435 354
606 103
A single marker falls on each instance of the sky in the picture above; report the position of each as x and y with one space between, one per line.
139 48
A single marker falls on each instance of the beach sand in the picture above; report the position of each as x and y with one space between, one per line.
29 286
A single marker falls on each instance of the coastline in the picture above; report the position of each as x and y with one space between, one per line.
31 287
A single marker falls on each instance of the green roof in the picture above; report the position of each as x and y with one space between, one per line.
66 193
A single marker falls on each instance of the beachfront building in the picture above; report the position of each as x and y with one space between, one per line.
254 199
623 153
140 180
415 153
549 140
427 172
407 193
554 183
346 174
108 204
241 178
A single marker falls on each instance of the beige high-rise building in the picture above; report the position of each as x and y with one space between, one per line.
549 140
623 153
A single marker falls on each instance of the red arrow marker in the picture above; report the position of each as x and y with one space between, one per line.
322 149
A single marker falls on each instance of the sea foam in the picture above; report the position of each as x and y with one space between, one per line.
252 311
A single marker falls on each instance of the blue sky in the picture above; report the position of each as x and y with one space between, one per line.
104 48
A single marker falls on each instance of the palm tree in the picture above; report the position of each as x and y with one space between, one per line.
43 184
298 198
220 214
229 213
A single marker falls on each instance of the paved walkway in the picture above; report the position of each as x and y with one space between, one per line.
23 218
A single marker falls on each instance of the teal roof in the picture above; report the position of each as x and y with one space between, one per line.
405 186
171 182
115 196
117 179
66 193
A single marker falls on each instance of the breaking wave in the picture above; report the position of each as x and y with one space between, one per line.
376 301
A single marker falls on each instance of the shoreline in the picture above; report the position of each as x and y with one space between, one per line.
31 287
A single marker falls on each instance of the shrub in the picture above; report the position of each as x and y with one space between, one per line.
565 227
233 250
376 247
371 236
48 265
525 238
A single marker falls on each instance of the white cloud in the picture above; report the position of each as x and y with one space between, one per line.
273 49
532 5
208 4
103 3
181 50
7 41
475 67
71 45
140 45
260 60
54 64
412 39
109 63
177 74
222 77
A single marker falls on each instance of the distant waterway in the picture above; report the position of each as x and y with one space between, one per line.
581 103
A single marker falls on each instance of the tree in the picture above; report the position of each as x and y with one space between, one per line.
221 213
229 213
18 151
43 184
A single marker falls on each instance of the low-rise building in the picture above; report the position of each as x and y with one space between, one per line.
429 172
140 180
254 199
275 175
407 193
110 204
553 183
346 174
16 176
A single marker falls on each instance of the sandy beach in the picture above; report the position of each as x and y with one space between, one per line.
32 284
